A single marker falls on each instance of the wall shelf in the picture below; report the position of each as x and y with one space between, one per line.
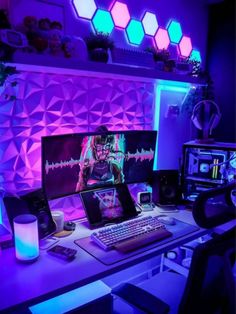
53 64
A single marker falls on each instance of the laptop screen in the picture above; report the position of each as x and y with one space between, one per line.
108 204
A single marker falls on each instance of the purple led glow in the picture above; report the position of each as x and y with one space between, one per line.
51 104
185 46
150 23
162 39
120 14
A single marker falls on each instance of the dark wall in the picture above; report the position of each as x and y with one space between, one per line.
221 65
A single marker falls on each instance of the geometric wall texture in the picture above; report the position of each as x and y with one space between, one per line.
49 104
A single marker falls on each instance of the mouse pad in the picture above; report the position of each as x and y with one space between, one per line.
110 257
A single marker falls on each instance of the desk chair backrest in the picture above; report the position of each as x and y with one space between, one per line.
210 286
215 206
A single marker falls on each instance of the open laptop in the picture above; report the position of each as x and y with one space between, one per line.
108 204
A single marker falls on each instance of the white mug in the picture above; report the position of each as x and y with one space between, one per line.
58 217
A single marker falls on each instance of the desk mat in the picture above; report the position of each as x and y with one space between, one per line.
110 257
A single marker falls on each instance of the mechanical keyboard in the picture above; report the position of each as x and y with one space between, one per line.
131 234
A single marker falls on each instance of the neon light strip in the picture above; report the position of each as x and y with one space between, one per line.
171 86
72 299
215 168
1 210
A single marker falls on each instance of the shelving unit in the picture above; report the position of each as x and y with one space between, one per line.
55 64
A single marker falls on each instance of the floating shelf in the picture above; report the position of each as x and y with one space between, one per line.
53 64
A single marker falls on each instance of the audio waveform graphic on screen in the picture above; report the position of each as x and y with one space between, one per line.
138 156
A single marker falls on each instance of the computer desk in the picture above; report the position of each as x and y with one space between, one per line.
22 285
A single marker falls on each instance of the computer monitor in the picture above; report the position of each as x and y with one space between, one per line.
207 166
73 163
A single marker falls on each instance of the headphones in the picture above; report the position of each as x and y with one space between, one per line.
214 117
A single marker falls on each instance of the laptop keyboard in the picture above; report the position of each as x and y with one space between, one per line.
131 234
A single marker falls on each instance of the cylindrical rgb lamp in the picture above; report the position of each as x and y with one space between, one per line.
26 237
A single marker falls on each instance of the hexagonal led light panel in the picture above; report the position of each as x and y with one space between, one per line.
135 32
85 8
150 23
175 32
120 14
102 21
162 38
195 56
185 46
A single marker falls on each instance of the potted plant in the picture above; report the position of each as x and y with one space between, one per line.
5 73
98 45
161 57
184 66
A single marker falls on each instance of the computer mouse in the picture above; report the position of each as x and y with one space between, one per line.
167 220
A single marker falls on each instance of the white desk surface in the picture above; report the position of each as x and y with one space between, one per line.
27 284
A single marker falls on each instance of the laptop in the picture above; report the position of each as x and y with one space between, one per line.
109 204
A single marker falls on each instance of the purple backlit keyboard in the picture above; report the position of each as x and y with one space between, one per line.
131 234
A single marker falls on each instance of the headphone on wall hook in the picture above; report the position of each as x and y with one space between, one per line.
206 116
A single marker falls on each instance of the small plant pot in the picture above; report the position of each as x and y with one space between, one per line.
160 65
169 65
99 55
183 68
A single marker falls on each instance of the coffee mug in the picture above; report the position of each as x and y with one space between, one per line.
58 217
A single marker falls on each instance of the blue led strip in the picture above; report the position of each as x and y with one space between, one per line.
73 299
171 86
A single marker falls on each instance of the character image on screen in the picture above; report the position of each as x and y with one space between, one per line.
109 204
102 159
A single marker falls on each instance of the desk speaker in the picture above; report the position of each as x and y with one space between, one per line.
34 203
165 187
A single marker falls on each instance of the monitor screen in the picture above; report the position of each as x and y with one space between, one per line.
207 167
73 163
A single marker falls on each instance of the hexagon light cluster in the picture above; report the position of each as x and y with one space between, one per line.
119 16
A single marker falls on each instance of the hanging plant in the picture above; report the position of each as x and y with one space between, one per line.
5 73
196 94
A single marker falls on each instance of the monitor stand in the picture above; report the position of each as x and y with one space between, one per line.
167 208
